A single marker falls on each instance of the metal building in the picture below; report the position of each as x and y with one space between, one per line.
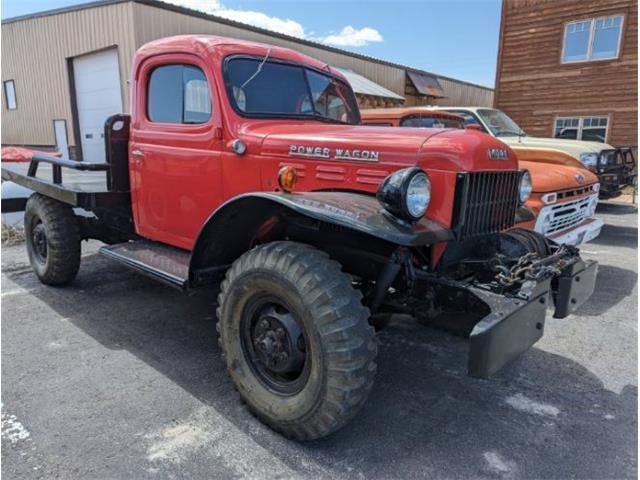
64 71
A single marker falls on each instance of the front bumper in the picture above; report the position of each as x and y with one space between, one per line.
516 323
588 230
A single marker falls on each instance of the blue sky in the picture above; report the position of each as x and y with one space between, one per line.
457 38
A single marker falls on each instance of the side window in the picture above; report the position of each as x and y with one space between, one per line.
593 39
178 94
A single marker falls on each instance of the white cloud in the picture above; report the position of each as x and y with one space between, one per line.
353 37
348 36
262 20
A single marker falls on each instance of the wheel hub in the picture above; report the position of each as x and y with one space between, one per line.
39 240
278 341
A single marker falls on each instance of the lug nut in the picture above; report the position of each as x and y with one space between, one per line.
264 323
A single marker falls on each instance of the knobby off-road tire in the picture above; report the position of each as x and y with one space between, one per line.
273 294
53 239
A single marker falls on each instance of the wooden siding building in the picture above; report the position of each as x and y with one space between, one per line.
570 68
58 68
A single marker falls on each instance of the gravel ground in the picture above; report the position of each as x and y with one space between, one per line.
118 377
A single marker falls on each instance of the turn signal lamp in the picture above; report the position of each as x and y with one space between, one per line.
287 178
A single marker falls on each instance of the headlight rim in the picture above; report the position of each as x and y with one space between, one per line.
525 174
393 194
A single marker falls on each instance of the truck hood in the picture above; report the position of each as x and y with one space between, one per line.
546 178
391 148
380 145
573 147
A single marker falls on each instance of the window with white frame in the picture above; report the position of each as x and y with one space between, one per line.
582 128
593 39
10 94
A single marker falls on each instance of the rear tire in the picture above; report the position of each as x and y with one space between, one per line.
53 239
296 339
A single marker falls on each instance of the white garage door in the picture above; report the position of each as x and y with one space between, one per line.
98 96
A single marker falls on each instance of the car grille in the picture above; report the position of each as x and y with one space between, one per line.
573 193
566 215
486 202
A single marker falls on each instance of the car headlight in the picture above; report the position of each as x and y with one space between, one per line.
525 186
589 159
406 193
595 187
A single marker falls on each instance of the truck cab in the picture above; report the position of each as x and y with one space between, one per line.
244 166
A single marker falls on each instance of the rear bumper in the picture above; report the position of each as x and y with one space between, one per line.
515 324
583 233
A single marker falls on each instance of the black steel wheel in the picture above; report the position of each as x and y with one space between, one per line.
52 236
39 239
275 346
296 339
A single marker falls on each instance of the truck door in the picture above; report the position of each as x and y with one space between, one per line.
175 148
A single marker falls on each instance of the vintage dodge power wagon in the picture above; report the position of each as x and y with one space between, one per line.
246 163
563 196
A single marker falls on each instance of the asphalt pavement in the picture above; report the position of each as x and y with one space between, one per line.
119 377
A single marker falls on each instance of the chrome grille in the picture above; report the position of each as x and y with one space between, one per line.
566 215
486 202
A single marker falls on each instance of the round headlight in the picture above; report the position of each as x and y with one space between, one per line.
406 193
418 195
525 186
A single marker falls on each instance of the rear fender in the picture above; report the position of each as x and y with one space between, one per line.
250 219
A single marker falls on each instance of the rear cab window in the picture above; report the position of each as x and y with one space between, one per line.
178 93
430 121
469 118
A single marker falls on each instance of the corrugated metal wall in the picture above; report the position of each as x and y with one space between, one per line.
35 53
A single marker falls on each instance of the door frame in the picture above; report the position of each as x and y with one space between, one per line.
75 120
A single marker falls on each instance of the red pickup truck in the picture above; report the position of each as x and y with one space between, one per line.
246 163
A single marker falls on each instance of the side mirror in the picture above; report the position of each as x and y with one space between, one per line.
474 126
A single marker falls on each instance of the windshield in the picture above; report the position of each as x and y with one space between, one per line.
499 123
426 121
286 90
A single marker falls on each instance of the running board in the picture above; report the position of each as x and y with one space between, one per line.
166 264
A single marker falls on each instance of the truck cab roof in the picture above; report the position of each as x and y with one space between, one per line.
229 46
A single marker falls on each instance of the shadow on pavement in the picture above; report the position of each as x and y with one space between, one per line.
616 208
424 414
616 236
613 284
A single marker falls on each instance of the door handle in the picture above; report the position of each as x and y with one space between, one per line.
138 156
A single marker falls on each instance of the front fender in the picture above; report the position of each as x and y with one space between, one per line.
234 227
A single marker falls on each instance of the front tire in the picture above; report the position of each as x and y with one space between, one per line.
296 339
53 239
